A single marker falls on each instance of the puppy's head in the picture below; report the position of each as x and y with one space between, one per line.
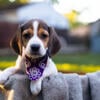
34 39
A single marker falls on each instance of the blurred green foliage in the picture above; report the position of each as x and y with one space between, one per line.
7 2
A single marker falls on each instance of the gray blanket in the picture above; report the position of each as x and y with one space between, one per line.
59 87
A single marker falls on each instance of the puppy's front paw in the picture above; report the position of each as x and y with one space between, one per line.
3 78
4 75
35 87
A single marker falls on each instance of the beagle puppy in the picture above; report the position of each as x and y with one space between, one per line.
35 43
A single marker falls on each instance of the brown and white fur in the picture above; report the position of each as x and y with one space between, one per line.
34 32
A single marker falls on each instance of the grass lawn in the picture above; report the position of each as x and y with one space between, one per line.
80 59
86 62
6 61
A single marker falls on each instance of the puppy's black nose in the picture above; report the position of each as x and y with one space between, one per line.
35 47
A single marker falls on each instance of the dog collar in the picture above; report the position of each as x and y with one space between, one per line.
35 68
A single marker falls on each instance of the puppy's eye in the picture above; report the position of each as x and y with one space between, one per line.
43 36
27 36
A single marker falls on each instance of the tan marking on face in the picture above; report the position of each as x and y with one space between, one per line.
29 31
26 35
44 36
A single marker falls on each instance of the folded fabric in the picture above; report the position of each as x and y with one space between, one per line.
57 87
85 87
62 87
94 81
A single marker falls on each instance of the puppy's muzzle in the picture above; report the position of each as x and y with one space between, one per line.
35 48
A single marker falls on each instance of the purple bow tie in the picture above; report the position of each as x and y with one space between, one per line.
35 68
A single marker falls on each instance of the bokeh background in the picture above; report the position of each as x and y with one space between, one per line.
77 22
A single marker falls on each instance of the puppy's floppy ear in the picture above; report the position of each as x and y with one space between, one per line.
16 42
54 43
